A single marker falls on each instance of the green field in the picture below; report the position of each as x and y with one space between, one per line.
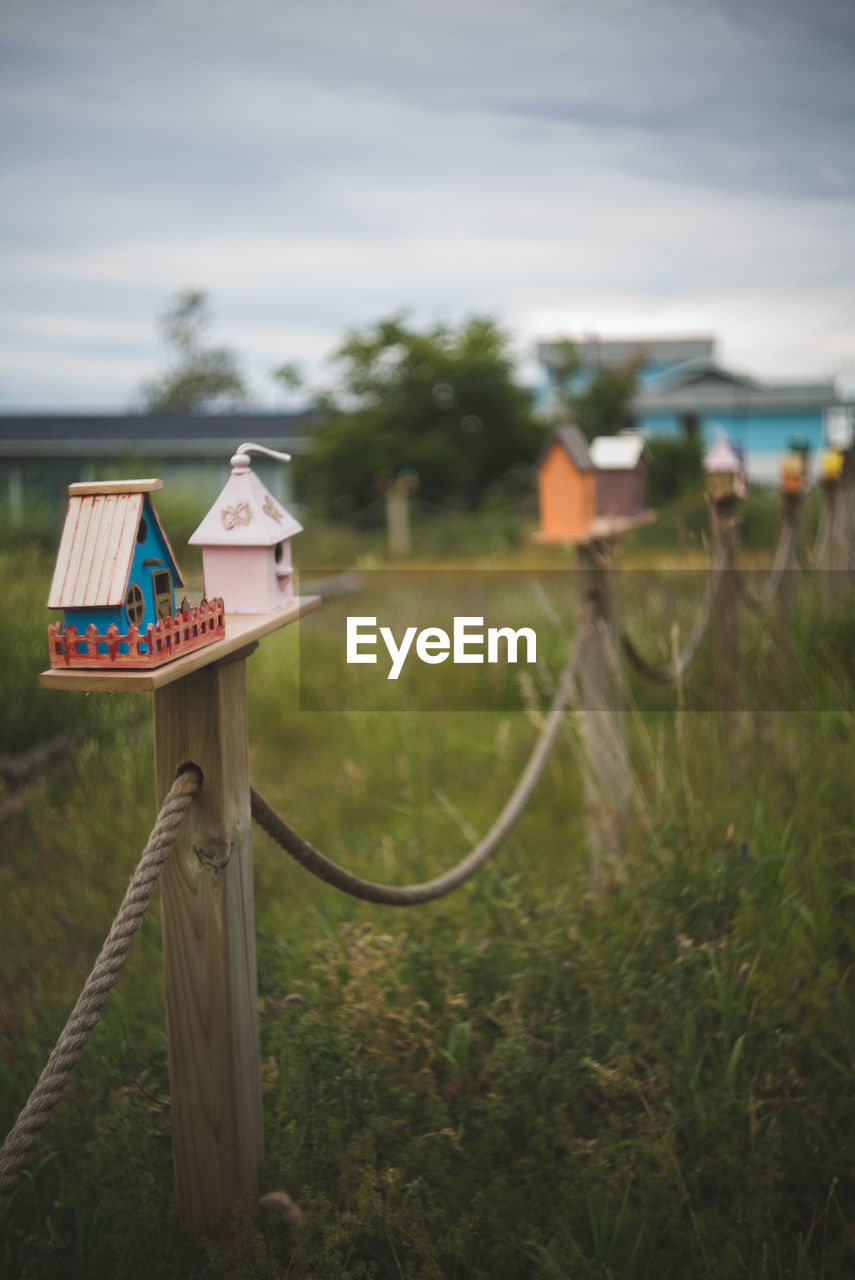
525 1079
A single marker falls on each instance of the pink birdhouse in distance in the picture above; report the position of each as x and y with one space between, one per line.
246 541
725 474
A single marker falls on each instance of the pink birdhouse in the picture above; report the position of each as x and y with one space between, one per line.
246 542
725 474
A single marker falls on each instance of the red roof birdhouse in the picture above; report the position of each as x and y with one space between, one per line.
567 486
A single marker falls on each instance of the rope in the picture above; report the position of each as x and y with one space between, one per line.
667 675
414 895
85 1014
786 559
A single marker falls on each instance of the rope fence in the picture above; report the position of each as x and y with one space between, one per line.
598 641
685 657
86 1013
96 990
415 895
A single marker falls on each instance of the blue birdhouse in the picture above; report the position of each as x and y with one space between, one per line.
115 581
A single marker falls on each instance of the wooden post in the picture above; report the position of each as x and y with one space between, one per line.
209 947
724 510
398 539
397 521
832 560
200 717
602 700
786 559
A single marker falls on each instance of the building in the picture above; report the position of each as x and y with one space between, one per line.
761 420
41 454
651 357
682 389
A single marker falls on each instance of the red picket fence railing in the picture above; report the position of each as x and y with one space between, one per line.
164 640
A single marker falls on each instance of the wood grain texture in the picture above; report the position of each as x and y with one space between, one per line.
601 528
833 555
114 486
209 947
602 702
724 516
787 563
241 630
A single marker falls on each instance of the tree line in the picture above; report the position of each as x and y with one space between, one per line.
442 403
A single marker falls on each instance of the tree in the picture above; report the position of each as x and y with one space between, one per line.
201 378
442 402
598 403
289 375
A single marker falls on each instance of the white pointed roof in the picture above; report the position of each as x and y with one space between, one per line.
617 453
722 457
246 514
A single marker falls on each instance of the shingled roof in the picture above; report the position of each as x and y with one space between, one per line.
573 443
98 541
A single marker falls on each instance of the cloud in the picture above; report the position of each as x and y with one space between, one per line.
316 166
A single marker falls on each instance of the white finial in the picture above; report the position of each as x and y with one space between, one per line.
261 448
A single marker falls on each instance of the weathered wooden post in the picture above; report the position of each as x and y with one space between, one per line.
602 698
725 490
783 579
209 946
589 497
832 558
398 492
200 717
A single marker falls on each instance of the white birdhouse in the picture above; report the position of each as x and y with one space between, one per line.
246 541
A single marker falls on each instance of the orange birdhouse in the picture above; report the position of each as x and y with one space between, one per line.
567 485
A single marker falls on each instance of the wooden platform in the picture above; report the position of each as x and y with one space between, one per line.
602 528
242 629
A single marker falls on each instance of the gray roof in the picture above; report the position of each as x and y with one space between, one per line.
704 387
697 370
595 353
179 435
574 445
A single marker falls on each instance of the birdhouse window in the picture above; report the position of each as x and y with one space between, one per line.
278 551
142 531
135 604
162 593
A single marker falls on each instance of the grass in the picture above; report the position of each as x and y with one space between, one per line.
520 1080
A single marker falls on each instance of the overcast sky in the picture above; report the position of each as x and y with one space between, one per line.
621 167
